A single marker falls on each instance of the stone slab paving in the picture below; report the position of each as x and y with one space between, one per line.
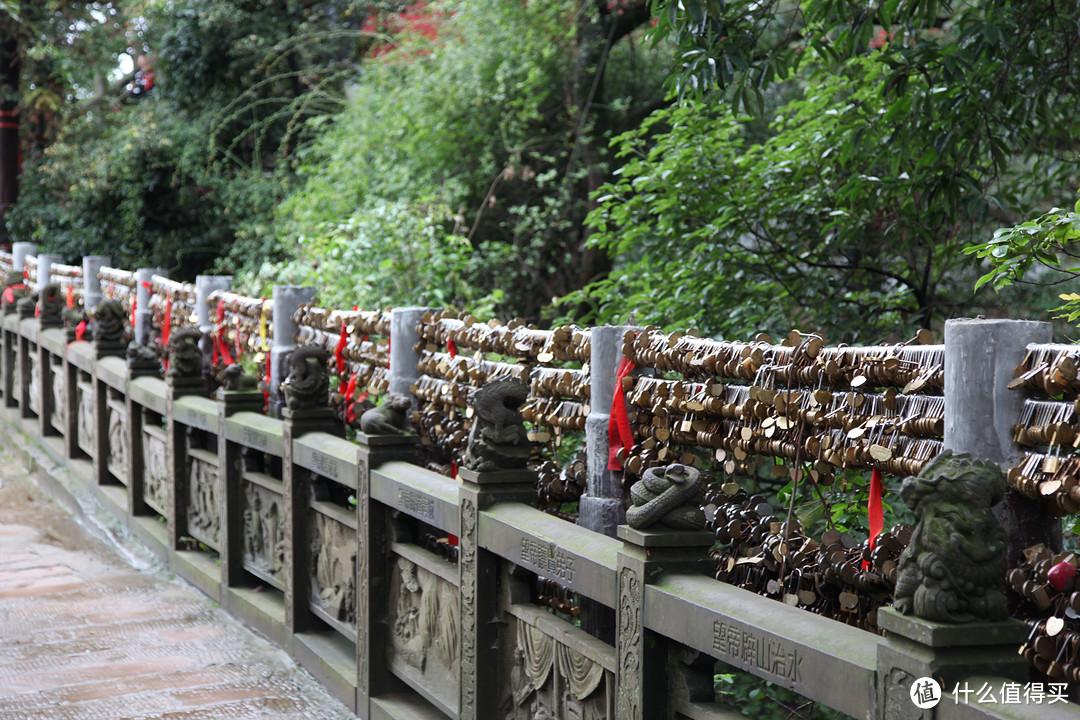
85 635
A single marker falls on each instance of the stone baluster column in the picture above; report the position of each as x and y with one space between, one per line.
287 298
91 284
19 251
980 410
143 319
403 337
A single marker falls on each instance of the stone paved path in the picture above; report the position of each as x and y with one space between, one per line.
84 635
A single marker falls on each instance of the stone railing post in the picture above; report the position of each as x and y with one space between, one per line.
296 483
602 507
204 285
10 348
44 272
403 337
980 410
641 657
143 320
19 251
479 570
91 284
373 633
287 298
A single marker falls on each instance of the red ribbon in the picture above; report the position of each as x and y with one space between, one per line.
132 311
80 330
874 510
266 393
451 347
620 436
167 322
220 346
339 353
70 297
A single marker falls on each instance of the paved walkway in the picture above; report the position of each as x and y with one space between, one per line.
85 635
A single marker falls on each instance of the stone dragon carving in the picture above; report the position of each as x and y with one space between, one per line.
497 440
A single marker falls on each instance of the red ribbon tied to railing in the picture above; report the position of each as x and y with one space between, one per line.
620 436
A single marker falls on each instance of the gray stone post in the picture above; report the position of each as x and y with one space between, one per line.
287 298
641 675
143 324
44 272
403 337
91 285
204 285
19 251
204 321
980 410
479 569
602 507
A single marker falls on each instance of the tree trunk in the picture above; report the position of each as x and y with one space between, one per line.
9 122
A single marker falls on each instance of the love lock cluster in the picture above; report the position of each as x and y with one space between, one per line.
835 576
1046 583
1050 469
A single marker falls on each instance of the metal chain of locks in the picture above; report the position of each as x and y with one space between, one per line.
834 576
799 400
515 339
558 399
182 295
1050 469
117 285
1053 645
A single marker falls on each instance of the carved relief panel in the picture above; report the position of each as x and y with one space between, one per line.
204 497
548 679
333 568
425 625
264 537
155 469
85 397
118 441
35 379
59 404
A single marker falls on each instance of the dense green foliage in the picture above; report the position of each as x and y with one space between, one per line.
459 163
175 179
851 214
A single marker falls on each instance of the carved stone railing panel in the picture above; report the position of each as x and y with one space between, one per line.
155 469
85 394
264 532
59 398
425 625
333 570
204 497
550 676
118 441
35 379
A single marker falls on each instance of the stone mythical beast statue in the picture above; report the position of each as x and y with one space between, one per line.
308 383
185 357
953 569
497 440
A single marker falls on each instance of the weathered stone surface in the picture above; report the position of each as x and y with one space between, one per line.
498 440
668 496
953 571
308 384
390 418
